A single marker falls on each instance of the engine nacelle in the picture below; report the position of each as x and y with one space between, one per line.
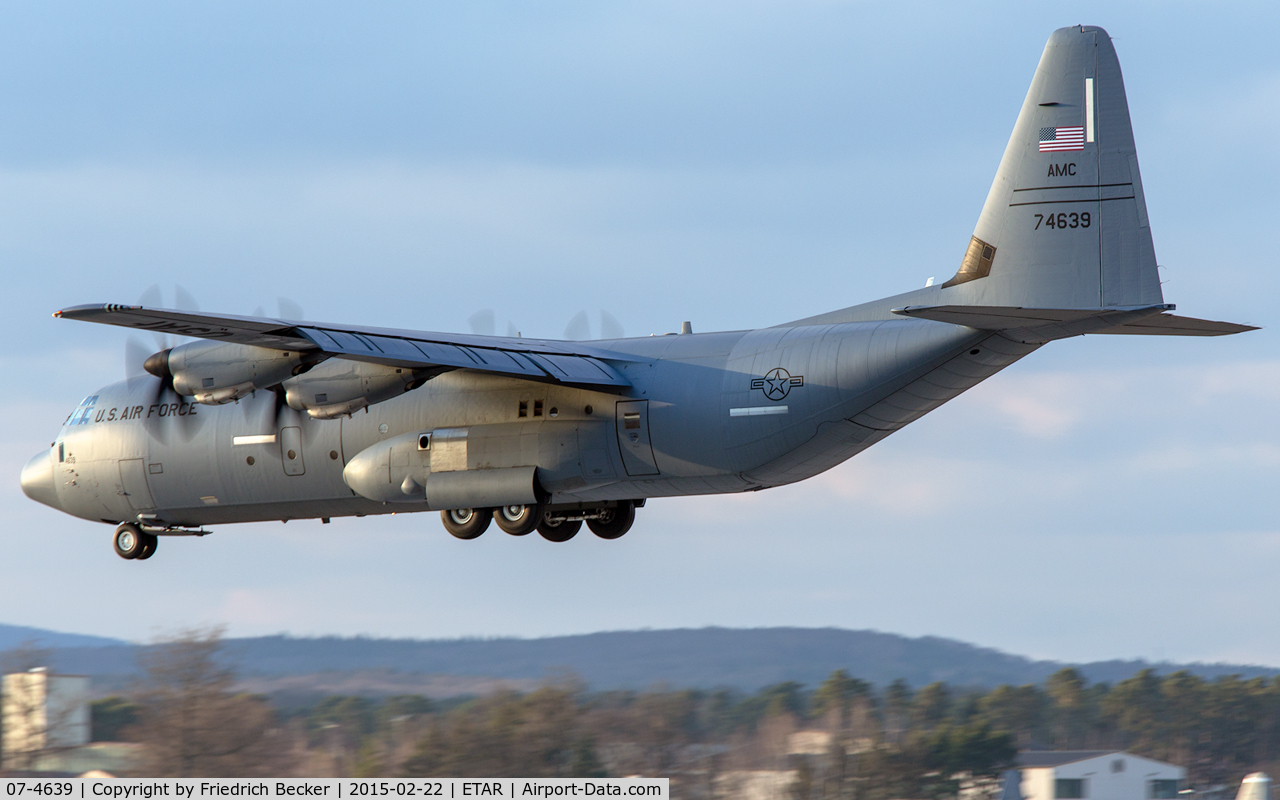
214 373
434 466
339 387
394 470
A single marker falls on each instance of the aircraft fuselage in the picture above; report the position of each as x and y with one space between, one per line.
707 413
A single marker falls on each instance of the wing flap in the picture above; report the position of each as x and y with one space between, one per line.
532 359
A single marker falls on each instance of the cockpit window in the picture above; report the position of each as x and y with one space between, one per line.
83 414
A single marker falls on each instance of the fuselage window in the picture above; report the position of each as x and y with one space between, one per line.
524 408
537 408
62 452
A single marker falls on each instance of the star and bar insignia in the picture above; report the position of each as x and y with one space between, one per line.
777 383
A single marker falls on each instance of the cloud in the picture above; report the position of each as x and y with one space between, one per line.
1042 406
1107 496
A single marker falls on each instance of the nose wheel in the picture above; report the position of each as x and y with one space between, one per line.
131 542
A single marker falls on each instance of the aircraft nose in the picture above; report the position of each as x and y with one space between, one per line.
37 480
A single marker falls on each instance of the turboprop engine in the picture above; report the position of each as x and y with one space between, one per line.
339 387
214 373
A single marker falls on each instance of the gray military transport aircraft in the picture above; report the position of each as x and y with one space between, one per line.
268 419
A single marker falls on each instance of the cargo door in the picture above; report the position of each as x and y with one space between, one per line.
291 451
133 480
633 438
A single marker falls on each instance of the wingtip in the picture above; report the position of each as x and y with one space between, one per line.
78 312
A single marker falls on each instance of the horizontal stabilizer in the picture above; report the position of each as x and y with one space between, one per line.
1045 324
1173 325
1001 318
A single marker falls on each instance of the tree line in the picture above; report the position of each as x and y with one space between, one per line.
842 738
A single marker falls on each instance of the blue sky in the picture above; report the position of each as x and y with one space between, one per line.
733 164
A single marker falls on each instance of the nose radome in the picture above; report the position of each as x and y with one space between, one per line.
37 480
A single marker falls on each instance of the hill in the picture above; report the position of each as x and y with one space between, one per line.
14 635
745 659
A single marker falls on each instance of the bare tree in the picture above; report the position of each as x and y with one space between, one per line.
193 723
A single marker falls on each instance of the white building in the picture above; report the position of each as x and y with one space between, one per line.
40 713
1255 786
1096 775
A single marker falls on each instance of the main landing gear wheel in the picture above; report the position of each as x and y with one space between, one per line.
558 530
466 523
518 520
149 541
614 522
129 541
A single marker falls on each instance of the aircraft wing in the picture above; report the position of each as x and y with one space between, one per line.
534 359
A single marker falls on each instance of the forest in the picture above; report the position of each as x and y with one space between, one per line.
843 737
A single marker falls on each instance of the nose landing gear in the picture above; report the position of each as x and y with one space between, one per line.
131 542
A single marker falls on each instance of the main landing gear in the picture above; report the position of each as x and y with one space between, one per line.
519 520
609 522
132 542
613 522
466 523
558 529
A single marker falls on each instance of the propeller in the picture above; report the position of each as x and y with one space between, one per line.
281 414
278 414
610 328
482 322
288 309
164 411
183 300
579 328
146 370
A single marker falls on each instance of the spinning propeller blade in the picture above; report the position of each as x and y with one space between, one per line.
481 322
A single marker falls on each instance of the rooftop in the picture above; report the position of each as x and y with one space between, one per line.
1056 758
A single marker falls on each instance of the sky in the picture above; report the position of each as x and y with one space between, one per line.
735 164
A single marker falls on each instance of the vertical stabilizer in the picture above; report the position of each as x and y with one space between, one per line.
1065 223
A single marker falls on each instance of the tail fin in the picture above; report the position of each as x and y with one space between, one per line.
1065 223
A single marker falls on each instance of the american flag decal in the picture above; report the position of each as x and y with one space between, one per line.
1053 140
